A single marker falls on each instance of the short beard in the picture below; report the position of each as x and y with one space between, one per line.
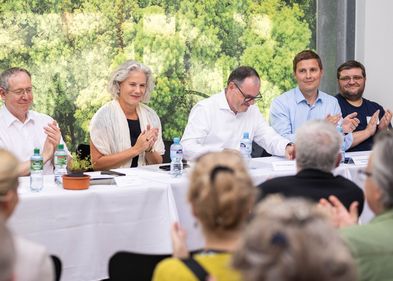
351 96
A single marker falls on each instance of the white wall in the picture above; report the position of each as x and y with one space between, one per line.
374 48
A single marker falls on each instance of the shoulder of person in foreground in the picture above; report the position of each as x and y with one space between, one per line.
32 261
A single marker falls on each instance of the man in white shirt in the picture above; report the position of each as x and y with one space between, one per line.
21 129
219 121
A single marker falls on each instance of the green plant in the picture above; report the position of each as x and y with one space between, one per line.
79 165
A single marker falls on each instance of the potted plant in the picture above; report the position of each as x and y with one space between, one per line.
75 178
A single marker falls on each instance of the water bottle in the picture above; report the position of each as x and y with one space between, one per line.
36 171
342 147
60 164
246 147
176 158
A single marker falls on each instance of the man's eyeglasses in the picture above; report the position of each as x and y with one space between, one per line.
248 98
20 92
355 78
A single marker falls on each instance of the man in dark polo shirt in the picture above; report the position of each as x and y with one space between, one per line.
317 155
351 77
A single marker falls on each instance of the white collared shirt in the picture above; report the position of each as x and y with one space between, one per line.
21 138
213 126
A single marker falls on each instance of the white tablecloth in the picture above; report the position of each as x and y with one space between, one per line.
85 228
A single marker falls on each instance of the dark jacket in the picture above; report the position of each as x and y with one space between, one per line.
314 184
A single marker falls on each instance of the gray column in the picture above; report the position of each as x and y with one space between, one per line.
335 38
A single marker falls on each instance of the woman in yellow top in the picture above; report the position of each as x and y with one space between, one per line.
221 194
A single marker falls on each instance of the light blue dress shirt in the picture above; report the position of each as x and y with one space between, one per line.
290 110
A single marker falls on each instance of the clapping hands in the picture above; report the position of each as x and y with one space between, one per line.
147 139
53 136
385 120
339 215
179 236
349 123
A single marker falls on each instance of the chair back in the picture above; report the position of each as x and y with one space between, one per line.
166 158
258 151
83 150
58 267
133 266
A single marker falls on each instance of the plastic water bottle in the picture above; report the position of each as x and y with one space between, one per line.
60 164
342 147
36 171
176 158
246 147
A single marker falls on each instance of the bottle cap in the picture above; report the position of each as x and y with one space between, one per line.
60 146
36 151
176 140
246 135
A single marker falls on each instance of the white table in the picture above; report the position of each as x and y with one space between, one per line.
85 228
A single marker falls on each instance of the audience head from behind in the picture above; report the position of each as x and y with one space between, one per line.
318 146
32 261
221 195
292 240
221 192
8 183
7 253
379 177
131 76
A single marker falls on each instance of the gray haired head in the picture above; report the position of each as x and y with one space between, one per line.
6 74
121 74
317 146
382 166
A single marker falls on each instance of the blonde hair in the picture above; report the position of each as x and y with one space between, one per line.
9 166
291 240
221 191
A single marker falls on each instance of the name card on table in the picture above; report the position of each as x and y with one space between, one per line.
360 160
284 165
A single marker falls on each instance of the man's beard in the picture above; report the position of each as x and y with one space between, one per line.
351 96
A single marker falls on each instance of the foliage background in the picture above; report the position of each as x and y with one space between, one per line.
72 46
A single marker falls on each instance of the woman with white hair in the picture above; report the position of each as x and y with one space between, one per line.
371 244
125 132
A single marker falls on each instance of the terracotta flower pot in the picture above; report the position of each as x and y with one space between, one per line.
76 182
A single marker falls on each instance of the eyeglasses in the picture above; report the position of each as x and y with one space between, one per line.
248 98
20 92
355 78
365 174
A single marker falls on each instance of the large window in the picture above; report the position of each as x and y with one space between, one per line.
71 47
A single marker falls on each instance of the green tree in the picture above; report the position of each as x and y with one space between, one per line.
72 46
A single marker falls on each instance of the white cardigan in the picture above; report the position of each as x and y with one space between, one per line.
110 134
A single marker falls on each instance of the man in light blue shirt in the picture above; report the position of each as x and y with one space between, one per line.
306 102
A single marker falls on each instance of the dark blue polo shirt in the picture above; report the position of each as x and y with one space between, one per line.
367 108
